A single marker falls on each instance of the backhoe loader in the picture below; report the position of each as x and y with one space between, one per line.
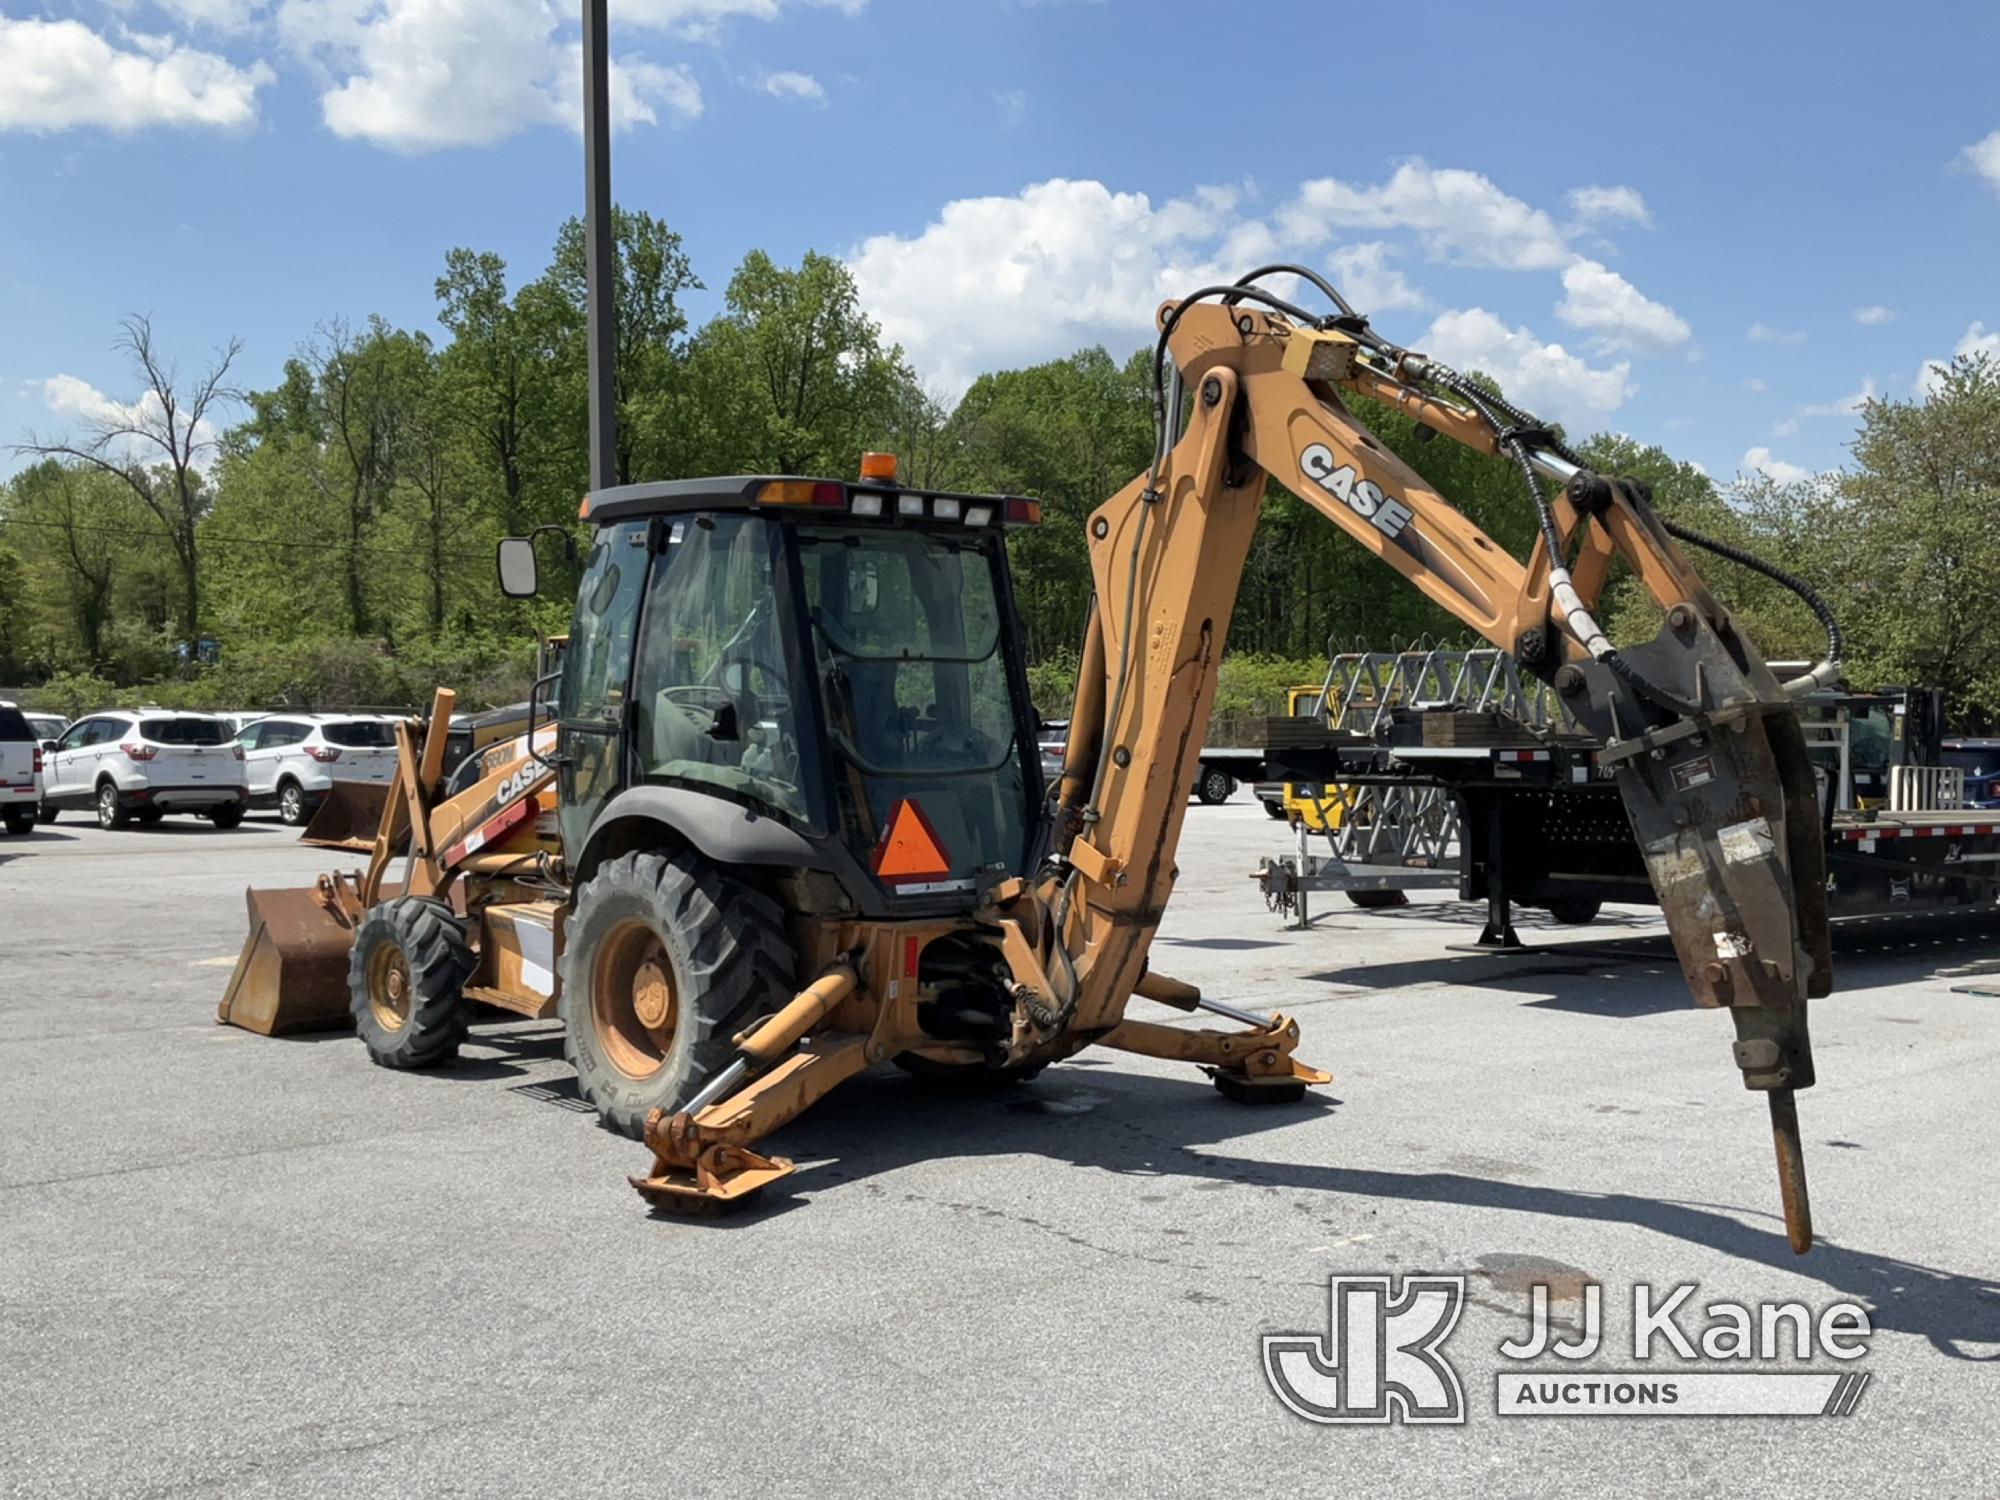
801 823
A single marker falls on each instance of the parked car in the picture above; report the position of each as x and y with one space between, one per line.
47 727
20 770
292 760
146 763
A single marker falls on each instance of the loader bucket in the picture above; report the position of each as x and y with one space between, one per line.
292 973
349 816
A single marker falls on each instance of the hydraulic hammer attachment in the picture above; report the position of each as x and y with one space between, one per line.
1712 765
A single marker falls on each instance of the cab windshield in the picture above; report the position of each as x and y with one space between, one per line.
907 641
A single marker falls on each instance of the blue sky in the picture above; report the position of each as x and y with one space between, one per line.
1713 227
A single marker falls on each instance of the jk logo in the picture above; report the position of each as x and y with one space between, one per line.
1378 1361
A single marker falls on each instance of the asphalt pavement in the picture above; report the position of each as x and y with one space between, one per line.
238 1266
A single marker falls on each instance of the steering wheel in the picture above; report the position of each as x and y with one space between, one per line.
735 675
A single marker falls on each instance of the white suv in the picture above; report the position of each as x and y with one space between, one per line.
20 770
146 763
293 760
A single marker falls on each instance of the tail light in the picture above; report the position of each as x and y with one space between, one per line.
236 750
38 760
137 751
327 753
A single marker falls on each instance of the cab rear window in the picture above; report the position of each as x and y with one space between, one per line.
14 725
186 731
362 736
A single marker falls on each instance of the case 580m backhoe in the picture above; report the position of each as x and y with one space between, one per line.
802 828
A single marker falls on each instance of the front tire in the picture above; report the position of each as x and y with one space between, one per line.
1214 786
292 809
665 959
109 813
406 983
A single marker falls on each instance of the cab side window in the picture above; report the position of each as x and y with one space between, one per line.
598 663
77 735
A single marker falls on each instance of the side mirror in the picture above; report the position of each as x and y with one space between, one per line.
518 578
48 744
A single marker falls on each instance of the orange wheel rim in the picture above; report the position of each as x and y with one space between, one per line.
389 987
634 1005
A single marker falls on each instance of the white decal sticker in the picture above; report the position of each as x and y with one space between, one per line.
1746 843
1362 496
1729 945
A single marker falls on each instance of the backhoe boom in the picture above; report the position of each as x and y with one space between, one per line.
1708 753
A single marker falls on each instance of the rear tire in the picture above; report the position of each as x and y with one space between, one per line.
228 815
406 983
664 960
109 813
1575 911
47 813
149 816
20 820
292 809
1214 786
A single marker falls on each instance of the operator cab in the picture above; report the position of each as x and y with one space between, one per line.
841 658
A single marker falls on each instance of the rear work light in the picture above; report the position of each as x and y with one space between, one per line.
978 515
909 505
137 751
327 753
802 492
868 503
945 508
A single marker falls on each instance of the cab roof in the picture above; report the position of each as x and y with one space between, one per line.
627 502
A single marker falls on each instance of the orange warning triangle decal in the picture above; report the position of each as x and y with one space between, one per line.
910 848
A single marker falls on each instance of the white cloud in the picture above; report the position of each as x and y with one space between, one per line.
1764 333
79 403
1009 279
1844 406
1545 378
1460 216
1977 340
1786 428
1362 274
1596 205
1874 314
226 16
1002 281
416 75
1756 385
1983 156
790 85
60 75
1013 107
1760 461
1600 301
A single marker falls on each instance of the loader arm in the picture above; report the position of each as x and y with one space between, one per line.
1707 751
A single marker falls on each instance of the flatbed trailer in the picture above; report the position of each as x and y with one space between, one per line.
1540 824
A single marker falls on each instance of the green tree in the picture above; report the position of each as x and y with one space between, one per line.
159 447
